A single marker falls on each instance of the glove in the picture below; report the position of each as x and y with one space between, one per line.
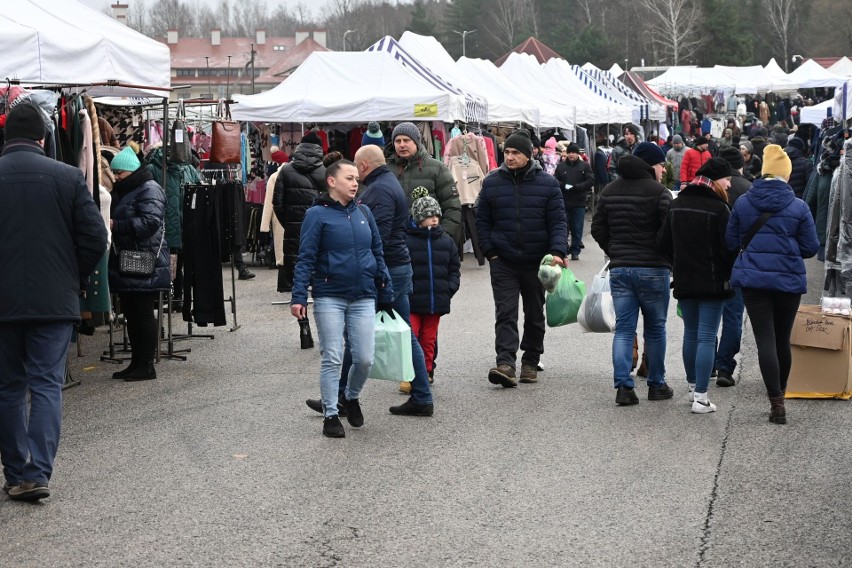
385 308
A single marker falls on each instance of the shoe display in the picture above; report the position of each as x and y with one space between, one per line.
701 405
29 491
246 274
725 379
529 373
332 428
353 411
144 372
315 404
663 392
405 387
626 396
411 408
503 375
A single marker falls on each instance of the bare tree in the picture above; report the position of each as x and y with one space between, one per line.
506 16
674 25
781 14
165 15
586 7
531 7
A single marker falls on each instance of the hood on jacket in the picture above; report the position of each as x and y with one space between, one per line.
631 167
307 157
770 194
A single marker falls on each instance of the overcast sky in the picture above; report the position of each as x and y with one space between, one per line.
315 5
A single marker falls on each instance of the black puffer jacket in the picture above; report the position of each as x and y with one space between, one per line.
693 239
629 215
520 216
299 182
437 270
802 170
739 185
581 179
138 211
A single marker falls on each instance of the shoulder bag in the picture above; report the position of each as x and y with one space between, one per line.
754 230
225 148
138 262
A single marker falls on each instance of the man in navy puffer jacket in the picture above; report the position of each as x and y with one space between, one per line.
520 217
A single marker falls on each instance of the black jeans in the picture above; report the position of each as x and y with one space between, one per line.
772 315
138 310
507 284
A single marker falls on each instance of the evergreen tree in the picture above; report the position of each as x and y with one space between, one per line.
420 22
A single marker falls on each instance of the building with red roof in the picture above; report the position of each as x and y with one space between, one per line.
535 48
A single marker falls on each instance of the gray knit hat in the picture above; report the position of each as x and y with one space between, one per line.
407 129
424 205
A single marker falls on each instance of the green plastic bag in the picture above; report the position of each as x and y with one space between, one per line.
564 303
392 359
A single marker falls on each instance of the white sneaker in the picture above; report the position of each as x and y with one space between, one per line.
701 405
691 393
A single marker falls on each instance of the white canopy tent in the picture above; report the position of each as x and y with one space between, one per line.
642 107
501 106
810 75
325 89
485 72
616 70
842 67
753 79
63 43
594 104
842 103
817 113
692 81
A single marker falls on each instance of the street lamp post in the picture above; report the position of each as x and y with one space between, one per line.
464 35
346 33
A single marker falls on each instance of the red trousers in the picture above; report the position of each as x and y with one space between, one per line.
425 329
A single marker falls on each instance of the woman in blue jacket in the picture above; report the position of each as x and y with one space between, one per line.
340 257
770 267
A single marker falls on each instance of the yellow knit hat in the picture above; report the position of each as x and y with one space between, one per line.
776 162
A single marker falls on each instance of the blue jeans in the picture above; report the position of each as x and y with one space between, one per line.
421 392
700 324
635 289
32 359
357 320
576 218
732 332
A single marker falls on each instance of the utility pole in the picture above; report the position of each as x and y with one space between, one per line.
464 35
253 53
346 33
209 87
228 80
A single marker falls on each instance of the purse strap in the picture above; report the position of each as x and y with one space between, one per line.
223 110
755 228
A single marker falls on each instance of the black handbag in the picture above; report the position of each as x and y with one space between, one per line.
138 262
180 150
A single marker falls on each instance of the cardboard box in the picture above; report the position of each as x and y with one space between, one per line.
822 355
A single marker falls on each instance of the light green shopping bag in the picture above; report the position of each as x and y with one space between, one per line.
564 303
392 358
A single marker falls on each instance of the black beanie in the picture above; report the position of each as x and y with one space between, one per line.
572 148
311 138
732 156
520 140
715 168
25 121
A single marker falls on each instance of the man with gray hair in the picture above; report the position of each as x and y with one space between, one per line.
675 157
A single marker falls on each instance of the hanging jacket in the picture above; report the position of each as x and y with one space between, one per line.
436 270
817 196
773 259
844 197
177 176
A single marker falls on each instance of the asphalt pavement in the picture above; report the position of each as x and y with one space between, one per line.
219 462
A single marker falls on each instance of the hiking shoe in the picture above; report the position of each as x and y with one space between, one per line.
503 375
701 405
8 487
316 405
405 387
144 372
29 491
642 371
626 396
246 274
663 392
529 373
411 408
332 428
353 411
725 379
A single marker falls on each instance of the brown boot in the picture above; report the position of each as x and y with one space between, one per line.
777 413
635 352
642 371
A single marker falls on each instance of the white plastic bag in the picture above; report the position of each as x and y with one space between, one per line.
597 312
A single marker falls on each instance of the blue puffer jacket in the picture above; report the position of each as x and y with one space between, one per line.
773 258
437 270
520 216
137 211
340 254
389 205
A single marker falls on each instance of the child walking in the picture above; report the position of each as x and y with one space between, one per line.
437 273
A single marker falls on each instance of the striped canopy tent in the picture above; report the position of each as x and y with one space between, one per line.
592 107
635 82
476 108
651 109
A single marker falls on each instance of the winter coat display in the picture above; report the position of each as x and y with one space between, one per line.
773 259
693 239
579 176
269 222
387 203
520 216
692 161
629 215
138 223
843 176
802 170
51 239
421 170
340 254
177 175
436 267
817 197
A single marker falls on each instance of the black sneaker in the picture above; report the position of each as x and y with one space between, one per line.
725 379
411 408
145 372
245 274
663 392
353 411
626 396
332 428
29 491
316 405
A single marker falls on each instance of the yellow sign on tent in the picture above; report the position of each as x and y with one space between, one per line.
425 110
